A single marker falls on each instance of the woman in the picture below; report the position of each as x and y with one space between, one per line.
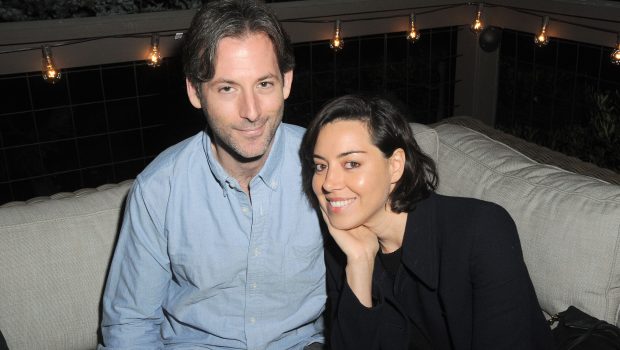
414 269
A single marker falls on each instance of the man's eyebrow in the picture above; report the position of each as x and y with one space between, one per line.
269 76
343 154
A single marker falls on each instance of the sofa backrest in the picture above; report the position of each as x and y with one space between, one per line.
54 255
569 224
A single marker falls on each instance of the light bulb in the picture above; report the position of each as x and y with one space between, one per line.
337 43
154 59
542 38
615 55
477 26
413 34
48 69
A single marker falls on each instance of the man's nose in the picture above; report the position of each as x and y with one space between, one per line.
250 106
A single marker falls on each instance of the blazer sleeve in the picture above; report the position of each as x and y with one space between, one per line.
506 313
351 325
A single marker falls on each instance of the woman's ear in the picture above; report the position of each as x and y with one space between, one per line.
397 165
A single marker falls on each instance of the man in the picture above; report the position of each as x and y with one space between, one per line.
218 248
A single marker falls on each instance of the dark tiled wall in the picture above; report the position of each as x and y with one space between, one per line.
550 87
103 124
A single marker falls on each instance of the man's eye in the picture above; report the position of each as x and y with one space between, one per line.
351 165
319 167
265 84
225 89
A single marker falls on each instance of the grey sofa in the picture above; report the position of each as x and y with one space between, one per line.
54 252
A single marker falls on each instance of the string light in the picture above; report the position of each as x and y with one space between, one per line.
49 71
154 59
615 55
542 38
413 34
337 43
478 26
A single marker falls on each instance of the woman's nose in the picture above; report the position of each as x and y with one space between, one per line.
332 181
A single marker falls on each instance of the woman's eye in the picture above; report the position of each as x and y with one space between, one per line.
351 165
319 167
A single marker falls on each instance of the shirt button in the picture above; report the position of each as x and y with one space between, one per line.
253 285
252 320
256 251
244 209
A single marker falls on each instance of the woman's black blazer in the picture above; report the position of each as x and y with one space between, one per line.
462 284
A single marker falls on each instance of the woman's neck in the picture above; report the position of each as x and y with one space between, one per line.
390 230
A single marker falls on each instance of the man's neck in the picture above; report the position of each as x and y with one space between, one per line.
242 171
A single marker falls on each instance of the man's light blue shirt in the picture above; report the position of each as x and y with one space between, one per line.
201 264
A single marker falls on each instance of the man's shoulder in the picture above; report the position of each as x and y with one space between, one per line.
165 163
293 132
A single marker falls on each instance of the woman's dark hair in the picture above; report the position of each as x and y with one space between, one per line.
230 18
389 130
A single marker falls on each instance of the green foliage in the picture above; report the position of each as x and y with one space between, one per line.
597 141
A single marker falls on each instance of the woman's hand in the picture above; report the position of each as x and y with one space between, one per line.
360 245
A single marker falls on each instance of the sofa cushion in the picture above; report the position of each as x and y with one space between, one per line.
569 224
426 138
54 255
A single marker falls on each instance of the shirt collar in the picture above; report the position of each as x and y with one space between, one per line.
269 173
420 244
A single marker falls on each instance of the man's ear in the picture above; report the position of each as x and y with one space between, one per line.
287 83
397 162
193 94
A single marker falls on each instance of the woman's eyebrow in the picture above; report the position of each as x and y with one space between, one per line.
343 154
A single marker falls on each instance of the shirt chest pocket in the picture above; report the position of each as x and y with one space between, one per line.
305 266
214 267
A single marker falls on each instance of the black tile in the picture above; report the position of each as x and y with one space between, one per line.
85 86
18 129
298 114
123 114
151 80
349 57
128 170
119 82
15 95
24 190
372 51
589 60
418 100
544 81
301 89
94 177
397 49
59 156
303 62
508 45
323 85
154 110
45 95
347 82
24 162
89 119
126 145
4 172
176 77
155 140
567 56
546 55
525 47
322 57
418 70
396 76
67 182
5 193
371 79
565 85
54 124
94 150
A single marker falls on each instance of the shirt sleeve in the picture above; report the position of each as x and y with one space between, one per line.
506 313
352 325
137 281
